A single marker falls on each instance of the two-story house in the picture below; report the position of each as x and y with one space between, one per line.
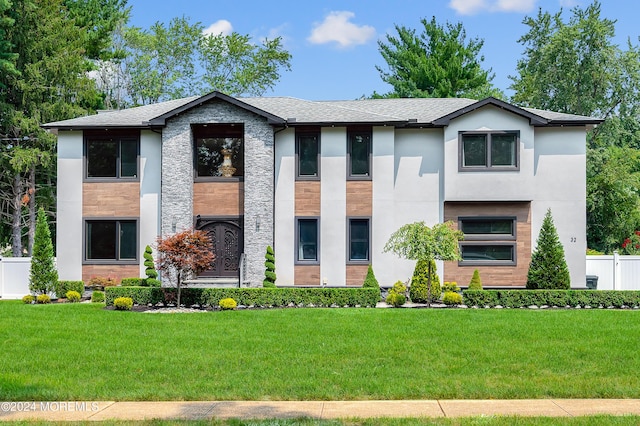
325 183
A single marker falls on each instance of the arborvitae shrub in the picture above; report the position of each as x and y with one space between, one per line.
370 280
396 296
150 270
419 292
43 275
548 268
475 283
270 268
451 298
123 303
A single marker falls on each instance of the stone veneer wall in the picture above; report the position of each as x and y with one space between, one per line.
177 177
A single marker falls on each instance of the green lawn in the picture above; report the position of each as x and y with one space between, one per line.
82 352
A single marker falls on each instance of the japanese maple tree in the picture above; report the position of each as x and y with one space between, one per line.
185 253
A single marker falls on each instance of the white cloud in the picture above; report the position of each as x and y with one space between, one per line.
337 28
472 7
222 26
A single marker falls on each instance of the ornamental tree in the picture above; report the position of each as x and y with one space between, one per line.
417 241
270 268
43 276
548 268
184 254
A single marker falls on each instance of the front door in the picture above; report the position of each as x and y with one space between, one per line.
226 244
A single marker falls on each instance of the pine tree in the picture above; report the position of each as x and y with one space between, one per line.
370 280
420 291
548 268
476 282
270 268
43 276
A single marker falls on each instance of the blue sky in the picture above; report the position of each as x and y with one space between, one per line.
334 43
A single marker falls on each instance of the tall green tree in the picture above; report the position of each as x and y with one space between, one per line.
7 55
548 268
439 62
43 276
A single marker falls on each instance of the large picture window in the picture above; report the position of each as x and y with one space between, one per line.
489 151
488 240
112 240
359 154
307 240
359 240
218 151
111 157
308 154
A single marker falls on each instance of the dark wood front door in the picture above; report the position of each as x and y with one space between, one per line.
226 244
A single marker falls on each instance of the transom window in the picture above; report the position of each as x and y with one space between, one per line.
112 240
308 153
218 150
359 240
489 150
307 240
488 240
359 154
111 157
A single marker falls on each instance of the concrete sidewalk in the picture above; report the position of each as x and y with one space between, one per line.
199 410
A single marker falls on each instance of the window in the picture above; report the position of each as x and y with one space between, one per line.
113 240
359 238
218 151
307 239
489 150
111 157
308 154
359 154
488 240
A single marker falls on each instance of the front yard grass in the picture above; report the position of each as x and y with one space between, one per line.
82 352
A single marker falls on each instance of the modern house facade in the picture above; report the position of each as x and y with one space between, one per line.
324 183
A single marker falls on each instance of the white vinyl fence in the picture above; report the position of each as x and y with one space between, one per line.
14 277
615 272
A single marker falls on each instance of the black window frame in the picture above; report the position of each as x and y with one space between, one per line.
488 166
350 220
117 260
300 133
488 262
117 136
207 131
489 240
352 132
297 260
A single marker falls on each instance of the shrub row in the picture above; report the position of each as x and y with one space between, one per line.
62 287
260 297
561 298
140 282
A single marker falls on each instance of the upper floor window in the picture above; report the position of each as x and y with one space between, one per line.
218 150
359 154
489 151
308 154
111 240
110 156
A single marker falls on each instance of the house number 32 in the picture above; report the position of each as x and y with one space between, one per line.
573 239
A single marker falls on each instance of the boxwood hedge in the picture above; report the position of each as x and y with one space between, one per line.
560 298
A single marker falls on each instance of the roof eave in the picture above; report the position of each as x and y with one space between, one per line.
534 120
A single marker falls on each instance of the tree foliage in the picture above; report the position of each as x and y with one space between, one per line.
184 254
437 63
43 276
548 268
425 283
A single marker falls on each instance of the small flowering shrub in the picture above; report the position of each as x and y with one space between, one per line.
123 303
631 245
451 298
73 296
97 297
28 299
43 299
227 304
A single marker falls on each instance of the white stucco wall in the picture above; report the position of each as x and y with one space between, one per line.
150 190
69 206
284 209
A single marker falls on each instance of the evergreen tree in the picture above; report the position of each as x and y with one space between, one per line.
270 268
476 283
150 271
370 280
422 289
548 268
43 276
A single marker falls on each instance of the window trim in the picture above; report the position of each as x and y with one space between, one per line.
512 244
489 237
352 131
307 132
488 167
297 260
194 142
85 223
110 136
348 254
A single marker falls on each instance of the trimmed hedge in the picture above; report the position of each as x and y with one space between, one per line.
62 287
560 298
259 297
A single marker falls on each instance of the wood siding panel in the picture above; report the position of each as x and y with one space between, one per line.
307 198
111 199
218 198
356 274
114 271
306 274
359 198
503 276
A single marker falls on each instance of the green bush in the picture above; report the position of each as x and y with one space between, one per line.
270 268
227 304
133 282
150 270
43 299
419 291
28 299
450 286
123 303
451 298
73 296
152 282
476 282
559 298
480 298
397 295
548 268
370 280
97 297
62 287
